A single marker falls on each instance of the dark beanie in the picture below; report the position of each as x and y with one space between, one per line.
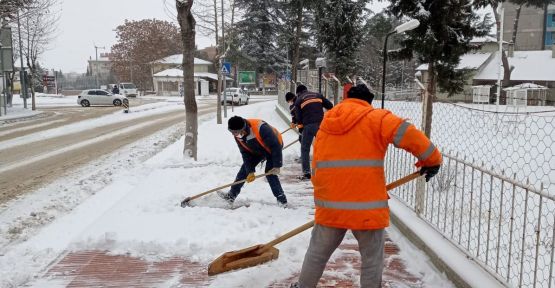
362 92
236 123
289 96
300 89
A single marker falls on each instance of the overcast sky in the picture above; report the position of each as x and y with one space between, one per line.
86 23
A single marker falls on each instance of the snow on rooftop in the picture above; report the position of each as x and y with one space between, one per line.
468 61
529 66
485 39
178 60
174 72
530 86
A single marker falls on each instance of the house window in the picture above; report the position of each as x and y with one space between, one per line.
553 19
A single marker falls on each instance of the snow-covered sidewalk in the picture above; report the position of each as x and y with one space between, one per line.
134 233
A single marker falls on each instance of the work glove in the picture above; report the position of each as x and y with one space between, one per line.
251 177
429 172
274 171
293 125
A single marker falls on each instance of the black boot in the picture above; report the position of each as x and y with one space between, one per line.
228 198
304 177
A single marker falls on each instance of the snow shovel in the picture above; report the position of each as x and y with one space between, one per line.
286 130
289 145
263 253
185 202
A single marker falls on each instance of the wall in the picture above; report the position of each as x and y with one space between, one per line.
530 27
158 67
550 27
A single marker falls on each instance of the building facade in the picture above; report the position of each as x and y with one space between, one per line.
536 26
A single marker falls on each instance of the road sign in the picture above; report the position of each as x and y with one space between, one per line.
49 81
226 68
247 77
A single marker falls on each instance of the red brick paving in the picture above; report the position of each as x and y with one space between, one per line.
99 269
85 269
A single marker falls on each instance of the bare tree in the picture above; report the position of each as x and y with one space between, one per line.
138 44
187 23
39 24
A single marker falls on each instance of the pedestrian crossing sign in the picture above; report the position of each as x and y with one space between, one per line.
226 68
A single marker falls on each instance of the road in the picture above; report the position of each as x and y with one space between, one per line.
26 167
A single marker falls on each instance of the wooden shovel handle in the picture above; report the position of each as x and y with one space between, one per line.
225 186
402 181
288 235
304 227
286 130
289 145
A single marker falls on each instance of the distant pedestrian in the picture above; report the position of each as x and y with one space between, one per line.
291 98
349 182
115 90
309 113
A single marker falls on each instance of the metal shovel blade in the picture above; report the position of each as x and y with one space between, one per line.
244 258
185 202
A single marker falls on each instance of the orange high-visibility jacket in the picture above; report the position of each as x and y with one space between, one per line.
255 124
348 163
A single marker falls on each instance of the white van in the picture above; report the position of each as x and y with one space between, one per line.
128 89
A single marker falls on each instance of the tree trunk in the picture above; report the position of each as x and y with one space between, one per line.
515 24
506 68
217 66
297 41
187 24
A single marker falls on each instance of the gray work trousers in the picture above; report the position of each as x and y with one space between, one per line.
325 240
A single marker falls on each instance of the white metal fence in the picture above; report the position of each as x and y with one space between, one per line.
494 197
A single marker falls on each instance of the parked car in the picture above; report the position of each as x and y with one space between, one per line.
128 89
100 97
237 95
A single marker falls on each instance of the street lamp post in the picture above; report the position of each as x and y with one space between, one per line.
321 64
398 30
22 80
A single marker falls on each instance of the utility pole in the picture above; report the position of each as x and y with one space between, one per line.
22 77
501 12
96 63
223 61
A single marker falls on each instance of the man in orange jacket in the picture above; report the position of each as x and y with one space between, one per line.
349 182
257 141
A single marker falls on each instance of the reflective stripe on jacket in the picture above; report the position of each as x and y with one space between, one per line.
348 163
255 125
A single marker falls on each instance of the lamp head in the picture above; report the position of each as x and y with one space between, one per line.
407 26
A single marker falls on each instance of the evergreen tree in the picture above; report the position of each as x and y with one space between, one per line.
297 33
371 53
444 34
257 34
339 24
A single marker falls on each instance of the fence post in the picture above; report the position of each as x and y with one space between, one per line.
426 114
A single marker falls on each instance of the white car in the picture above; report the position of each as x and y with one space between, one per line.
100 97
128 89
237 95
